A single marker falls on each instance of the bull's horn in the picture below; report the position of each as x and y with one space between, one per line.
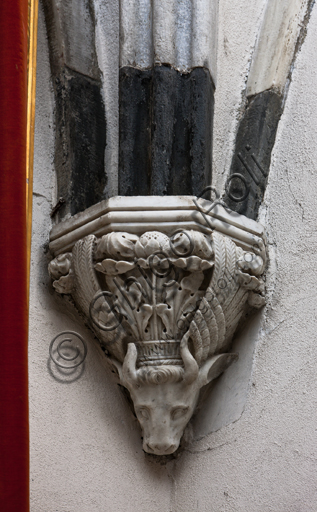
129 373
190 364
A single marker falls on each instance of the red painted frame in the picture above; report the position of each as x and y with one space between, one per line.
14 434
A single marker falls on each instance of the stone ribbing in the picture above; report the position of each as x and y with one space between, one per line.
80 116
251 162
181 131
281 35
135 87
165 131
274 51
181 33
167 72
80 139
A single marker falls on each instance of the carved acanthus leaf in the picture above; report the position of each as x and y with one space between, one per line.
65 284
150 292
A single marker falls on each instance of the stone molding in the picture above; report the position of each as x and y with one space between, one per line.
138 214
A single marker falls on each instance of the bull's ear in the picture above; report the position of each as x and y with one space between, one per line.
214 366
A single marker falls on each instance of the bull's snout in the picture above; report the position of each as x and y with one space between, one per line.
164 448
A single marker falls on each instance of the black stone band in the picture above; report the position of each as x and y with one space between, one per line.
80 141
80 137
165 131
251 161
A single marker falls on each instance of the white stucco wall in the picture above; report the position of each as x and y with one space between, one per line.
86 453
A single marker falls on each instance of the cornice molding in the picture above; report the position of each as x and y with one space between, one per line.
138 214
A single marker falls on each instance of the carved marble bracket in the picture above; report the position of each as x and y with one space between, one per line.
163 282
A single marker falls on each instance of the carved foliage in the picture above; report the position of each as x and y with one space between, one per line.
154 288
166 310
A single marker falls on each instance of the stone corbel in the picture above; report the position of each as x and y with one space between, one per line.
163 282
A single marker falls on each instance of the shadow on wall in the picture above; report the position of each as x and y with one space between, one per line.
224 403
63 375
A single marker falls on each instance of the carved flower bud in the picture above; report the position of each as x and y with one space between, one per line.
116 245
250 262
188 243
151 242
60 266
182 244
202 245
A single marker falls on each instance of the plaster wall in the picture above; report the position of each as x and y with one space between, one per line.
256 449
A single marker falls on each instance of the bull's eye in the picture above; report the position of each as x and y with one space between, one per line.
178 412
143 413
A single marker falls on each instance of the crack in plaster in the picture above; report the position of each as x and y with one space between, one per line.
293 195
211 448
36 194
170 475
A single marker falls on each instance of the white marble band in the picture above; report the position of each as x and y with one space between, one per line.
276 44
181 33
136 33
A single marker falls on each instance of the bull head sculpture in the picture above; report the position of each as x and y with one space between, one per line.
165 397
165 309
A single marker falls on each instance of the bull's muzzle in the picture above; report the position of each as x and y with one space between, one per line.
157 448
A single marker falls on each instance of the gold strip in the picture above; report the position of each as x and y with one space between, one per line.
32 47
